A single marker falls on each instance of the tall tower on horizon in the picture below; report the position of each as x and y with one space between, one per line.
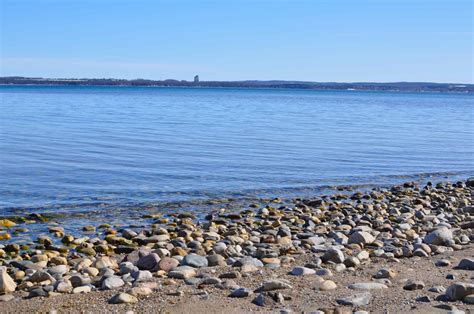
196 79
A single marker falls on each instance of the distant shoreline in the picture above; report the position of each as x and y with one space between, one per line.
321 86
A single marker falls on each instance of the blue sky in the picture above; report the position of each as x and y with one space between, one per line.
334 40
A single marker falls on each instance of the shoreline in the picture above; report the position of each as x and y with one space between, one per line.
319 246
342 90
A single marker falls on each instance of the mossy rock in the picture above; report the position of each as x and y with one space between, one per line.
6 223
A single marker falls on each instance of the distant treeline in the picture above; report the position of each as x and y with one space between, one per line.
397 86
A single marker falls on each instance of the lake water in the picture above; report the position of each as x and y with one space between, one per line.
80 148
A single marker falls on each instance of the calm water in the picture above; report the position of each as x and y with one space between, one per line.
77 147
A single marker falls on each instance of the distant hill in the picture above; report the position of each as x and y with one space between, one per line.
365 86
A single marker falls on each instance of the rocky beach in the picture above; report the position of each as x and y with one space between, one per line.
404 248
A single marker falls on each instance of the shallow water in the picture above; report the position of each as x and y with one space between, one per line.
87 148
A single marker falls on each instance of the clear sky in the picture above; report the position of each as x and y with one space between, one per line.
333 40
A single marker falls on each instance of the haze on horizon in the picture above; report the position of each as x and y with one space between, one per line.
330 41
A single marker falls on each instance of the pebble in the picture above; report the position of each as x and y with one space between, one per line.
168 263
182 272
241 293
275 284
385 273
81 289
142 275
327 285
459 290
333 255
38 292
112 282
195 260
149 262
361 237
423 299
324 272
63 286
442 263
437 289
140 291
466 264
216 260
469 299
414 285
367 286
7 284
360 299
6 297
440 236
302 271
123 298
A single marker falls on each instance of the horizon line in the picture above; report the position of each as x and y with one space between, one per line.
237 81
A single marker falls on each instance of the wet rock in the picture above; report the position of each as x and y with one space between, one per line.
123 298
88 228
